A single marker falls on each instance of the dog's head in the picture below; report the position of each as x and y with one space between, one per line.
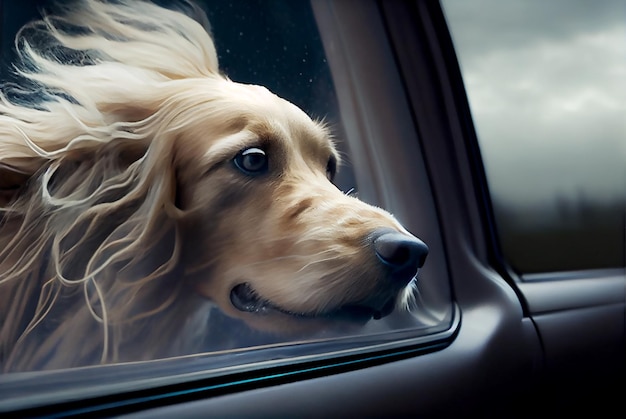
267 235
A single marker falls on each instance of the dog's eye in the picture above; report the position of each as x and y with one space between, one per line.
252 161
331 168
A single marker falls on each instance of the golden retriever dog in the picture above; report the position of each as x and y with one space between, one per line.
140 188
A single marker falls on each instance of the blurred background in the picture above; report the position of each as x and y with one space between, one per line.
546 83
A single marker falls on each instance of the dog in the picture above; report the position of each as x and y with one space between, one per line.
140 189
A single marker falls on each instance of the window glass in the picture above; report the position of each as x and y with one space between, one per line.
277 45
545 82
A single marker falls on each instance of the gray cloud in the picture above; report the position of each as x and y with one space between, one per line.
488 25
546 82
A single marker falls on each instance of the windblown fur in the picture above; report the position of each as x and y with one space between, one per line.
121 108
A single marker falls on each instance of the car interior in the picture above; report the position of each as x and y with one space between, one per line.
493 131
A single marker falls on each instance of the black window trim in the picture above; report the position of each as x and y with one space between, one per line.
133 386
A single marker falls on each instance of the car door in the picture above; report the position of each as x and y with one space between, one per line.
546 98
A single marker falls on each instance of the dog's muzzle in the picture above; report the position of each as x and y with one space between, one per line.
400 257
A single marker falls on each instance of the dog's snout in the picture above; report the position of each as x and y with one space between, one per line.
400 252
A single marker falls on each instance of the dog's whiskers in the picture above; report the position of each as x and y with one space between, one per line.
351 192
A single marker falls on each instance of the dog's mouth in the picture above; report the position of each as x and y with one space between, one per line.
245 298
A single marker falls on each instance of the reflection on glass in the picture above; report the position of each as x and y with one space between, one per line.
545 82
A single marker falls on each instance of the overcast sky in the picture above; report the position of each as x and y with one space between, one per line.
546 82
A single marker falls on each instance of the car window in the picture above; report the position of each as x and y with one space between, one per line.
545 83
277 45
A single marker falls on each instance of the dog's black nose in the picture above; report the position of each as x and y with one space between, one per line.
400 252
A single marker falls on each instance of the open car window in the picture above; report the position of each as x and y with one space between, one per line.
290 48
547 98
